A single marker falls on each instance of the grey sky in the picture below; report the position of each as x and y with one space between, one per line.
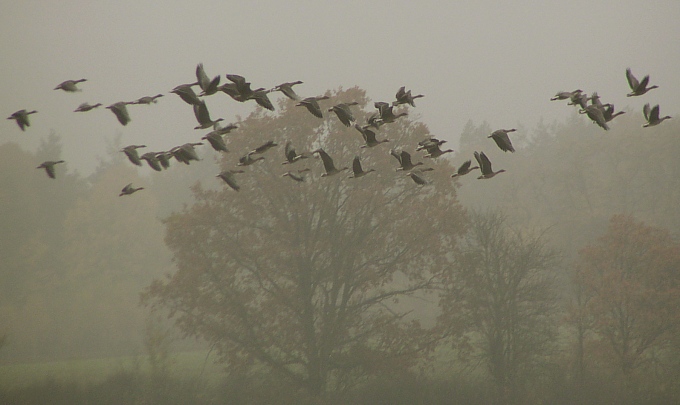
481 60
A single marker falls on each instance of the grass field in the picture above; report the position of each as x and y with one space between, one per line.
195 364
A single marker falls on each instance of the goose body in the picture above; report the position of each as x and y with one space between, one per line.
49 167
70 85
638 88
119 109
405 97
344 113
328 163
312 105
291 155
84 107
216 141
386 112
357 170
131 153
228 177
464 169
404 159
485 166
147 99
287 89
596 115
152 160
128 189
566 95
187 94
417 177
652 116
248 160
203 116
21 117
369 137
502 139
263 148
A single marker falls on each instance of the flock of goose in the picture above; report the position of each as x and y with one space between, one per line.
601 114
239 89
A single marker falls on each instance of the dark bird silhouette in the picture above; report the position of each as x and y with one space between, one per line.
328 163
119 109
566 95
405 97
228 177
357 170
417 177
291 155
386 112
127 190
429 142
164 159
49 167
147 99
312 104
404 159
185 153
152 159
434 151
216 141
21 117
287 89
70 85
652 116
295 176
638 87
261 98
203 116
208 86
369 137
464 169
344 113
485 166
186 93
502 139
132 154
596 115
84 107
263 148
609 114
248 160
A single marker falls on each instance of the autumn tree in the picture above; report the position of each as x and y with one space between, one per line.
500 303
304 278
631 276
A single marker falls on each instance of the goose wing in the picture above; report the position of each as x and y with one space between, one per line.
632 81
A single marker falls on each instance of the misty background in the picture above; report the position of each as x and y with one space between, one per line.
75 256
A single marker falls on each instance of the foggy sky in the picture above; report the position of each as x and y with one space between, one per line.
480 61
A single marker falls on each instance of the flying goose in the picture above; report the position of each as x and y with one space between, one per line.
417 177
369 137
344 113
564 95
263 148
186 93
502 139
328 163
131 152
147 99
429 142
404 159
208 86
49 167
70 85
609 114
295 176
652 116
405 97
357 170
638 87
119 109
596 115
203 116
485 166
216 141
464 169
228 177
84 107
287 89
127 190
386 112
248 160
291 155
312 104
21 117
152 159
